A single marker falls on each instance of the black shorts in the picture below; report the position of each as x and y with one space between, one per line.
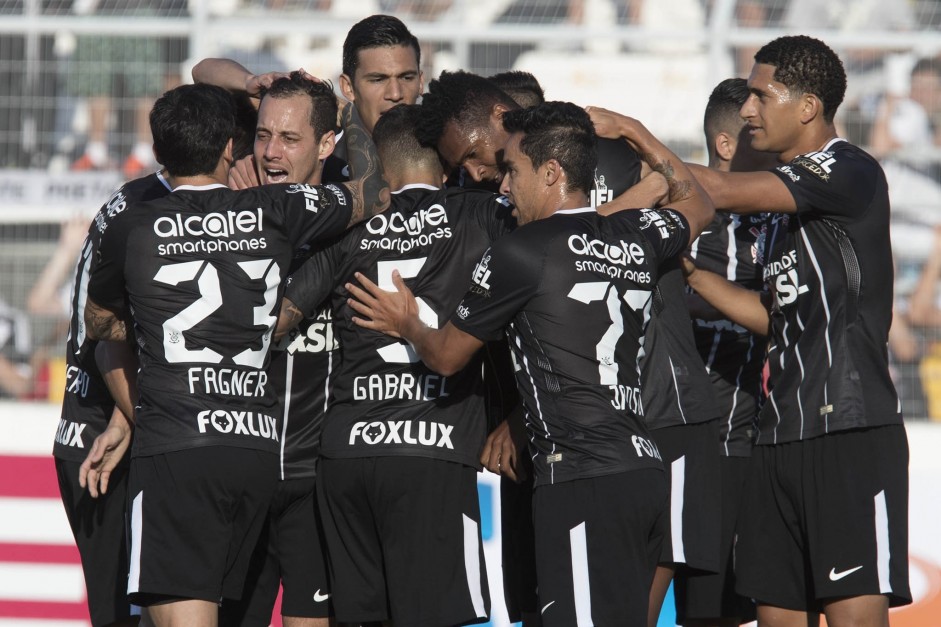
403 536
518 546
691 459
195 517
826 517
701 595
290 552
597 545
99 529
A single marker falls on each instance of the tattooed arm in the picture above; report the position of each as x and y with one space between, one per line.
685 195
104 324
370 191
290 316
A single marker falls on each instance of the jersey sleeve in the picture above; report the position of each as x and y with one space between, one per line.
666 230
840 184
504 280
315 213
312 282
106 280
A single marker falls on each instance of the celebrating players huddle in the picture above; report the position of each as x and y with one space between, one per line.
298 353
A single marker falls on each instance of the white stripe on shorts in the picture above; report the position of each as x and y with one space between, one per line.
472 566
137 519
883 553
677 483
580 583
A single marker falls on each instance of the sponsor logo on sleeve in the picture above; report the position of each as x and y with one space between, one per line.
481 276
340 194
314 200
666 221
817 163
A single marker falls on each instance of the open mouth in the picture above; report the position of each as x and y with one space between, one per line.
273 175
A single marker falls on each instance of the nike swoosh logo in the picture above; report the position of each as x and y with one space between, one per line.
318 598
546 607
836 576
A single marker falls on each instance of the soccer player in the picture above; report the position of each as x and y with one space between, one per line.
733 357
381 69
294 135
573 291
97 516
202 287
397 477
826 494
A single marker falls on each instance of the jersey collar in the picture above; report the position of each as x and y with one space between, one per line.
416 186
578 210
199 188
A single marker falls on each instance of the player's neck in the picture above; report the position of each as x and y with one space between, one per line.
813 140
413 176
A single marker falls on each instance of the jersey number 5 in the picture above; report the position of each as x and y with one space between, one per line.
402 352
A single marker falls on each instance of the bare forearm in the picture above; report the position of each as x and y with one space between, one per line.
223 73
648 192
740 305
370 191
289 317
745 192
118 365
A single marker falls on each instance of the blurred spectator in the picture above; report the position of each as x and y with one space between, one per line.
107 68
16 378
49 296
851 15
924 310
907 117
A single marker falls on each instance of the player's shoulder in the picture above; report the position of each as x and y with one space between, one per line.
837 158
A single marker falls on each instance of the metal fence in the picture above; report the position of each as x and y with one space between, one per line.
78 76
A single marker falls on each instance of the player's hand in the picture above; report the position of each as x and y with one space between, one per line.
499 454
258 83
105 455
242 174
607 123
386 312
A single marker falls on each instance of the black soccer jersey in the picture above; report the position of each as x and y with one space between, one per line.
87 405
618 170
303 365
829 268
573 292
202 270
676 387
385 400
733 356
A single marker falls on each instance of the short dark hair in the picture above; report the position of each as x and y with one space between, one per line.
246 120
191 125
376 31
460 97
561 131
323 102
521 86
723 110
394 136
807 66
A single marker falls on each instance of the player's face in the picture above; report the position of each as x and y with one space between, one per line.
286 148
477 150
772 113
384 77
521 182
746 159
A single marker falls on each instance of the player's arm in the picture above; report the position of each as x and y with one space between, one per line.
288 318
102 323
685 196
743 306
368 188
745 192
232 76
118 365
650 191
446 350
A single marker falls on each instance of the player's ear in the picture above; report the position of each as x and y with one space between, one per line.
724 145
496 113
229 153
346 87
328 142
552 172
811 108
